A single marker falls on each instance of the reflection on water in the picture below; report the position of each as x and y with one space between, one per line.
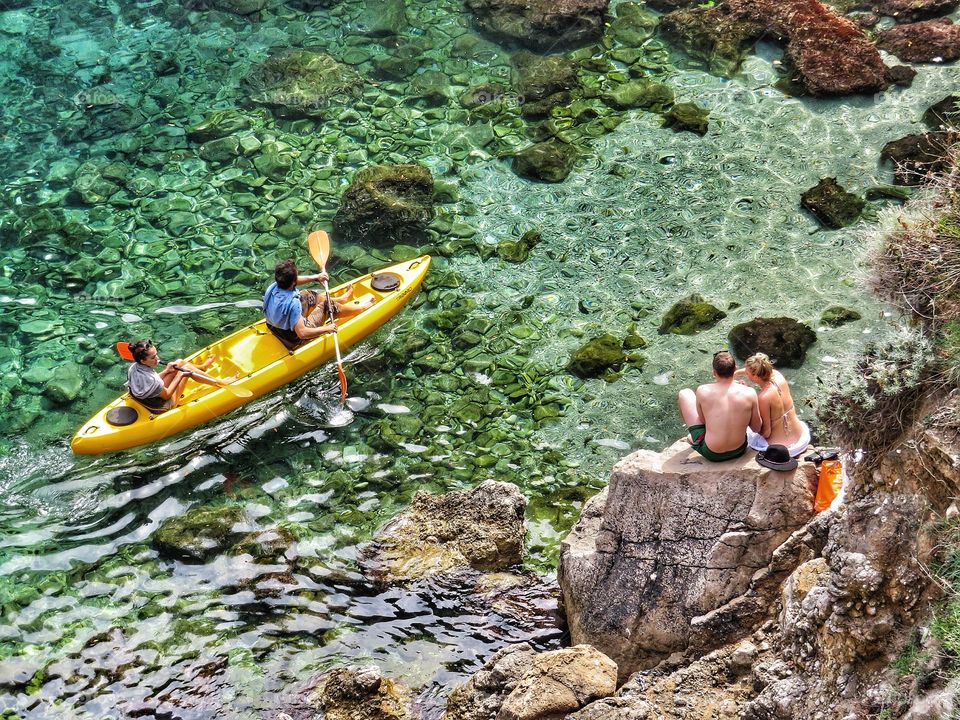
466 384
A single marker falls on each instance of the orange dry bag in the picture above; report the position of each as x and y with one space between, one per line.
830 483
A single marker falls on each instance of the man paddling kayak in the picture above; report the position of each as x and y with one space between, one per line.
161 391
295 317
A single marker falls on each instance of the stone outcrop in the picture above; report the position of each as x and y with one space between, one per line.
541 25
916 158
689 316
519 684
913 10
301 83
481 528
352 693
679 554
550 161
831 204
202 532
927 41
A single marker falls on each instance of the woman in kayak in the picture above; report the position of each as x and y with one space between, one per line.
781 426
161 391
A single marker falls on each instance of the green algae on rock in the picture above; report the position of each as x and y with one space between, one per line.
784 339
301 83
643 93
516 251
550 161
385 204
689 316
837 315
201 533
714 35
831 204
218 124
542 25
633 24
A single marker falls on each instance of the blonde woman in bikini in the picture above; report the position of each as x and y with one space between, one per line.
780 424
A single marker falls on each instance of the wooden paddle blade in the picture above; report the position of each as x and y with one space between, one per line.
343 384
318 242
123 349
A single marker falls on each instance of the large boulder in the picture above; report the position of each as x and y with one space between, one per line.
543 82
519 684
352 693
302 83
598 357
784 339
541 25
481 528
917 158
386 204
549 161
382 18
633 25
677 553
927 41
641 93
831 204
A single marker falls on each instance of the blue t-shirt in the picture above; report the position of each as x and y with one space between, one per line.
281 307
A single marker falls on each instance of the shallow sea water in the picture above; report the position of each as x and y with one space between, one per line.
95 622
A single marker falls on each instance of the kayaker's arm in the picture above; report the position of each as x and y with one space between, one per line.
319 277
305 332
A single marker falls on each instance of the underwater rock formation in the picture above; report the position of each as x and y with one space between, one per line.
716 35
201 532
543 82
831 204
385 204
353 693
784 339
641 93
670 556
597 356
633 24
913 10
541 25
687 116
481 528
943 114
837 315
550 161
517 683
916 158
382 18
516 251
301 83
689 316
926 41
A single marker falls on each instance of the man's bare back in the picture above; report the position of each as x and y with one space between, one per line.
727 409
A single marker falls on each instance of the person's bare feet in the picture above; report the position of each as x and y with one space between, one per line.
205 365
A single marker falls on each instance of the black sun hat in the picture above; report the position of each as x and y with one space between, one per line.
776 457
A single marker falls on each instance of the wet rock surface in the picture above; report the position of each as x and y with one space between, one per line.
519 683
784 339
202 532
670 557
482 528
917 158
301 83
550 161
352 693
690 315
912 10
386 203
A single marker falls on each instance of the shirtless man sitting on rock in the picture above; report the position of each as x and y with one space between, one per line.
718 414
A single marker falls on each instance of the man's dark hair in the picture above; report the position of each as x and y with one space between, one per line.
140 349
723 364
286 274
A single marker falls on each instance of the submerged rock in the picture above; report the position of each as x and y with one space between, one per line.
517 682
689 316
240 7
65 384
543 82
642 93
831 204
687 541
301 83
837 315
382 18
943 114
715 35
927 41
516 251
218 124
353 693
597 357
784 339
550 161
386 204
201 533
481 528
916 158
542 25
913 10
687 116
633 25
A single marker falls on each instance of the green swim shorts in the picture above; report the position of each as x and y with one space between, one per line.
698 434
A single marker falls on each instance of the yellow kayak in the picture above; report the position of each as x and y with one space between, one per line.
258 357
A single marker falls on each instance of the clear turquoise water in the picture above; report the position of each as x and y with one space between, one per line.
104 626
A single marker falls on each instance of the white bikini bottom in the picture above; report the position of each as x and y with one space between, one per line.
759 443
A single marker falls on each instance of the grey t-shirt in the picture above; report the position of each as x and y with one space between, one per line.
143 382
